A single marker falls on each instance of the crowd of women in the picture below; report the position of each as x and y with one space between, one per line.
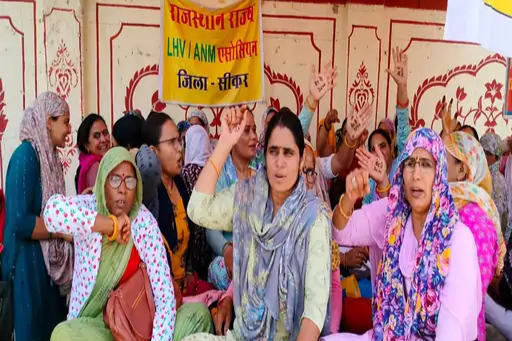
393 235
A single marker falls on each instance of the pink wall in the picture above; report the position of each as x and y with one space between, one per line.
102 56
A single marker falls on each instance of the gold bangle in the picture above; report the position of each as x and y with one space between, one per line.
348 145
383 190
340 208
214 168
116 229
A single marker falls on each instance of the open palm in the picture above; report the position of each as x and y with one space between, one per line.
322 82
374 164
233 124
401 71
358 121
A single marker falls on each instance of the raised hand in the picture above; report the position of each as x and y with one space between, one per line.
357 184
374 164
357 122
124 225
449 122
401 71
322 82
331 118
233 124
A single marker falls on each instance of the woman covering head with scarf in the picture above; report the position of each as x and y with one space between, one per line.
34 258
470 184
492 145
113 234
196 155
280 232
428 283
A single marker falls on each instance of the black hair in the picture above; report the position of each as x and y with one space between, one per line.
396 123
287 119
82 136
343 124
127 131
474 132
382 132
152 128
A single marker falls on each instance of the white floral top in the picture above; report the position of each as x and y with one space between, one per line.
76 216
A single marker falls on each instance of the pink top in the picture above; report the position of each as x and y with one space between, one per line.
461 295
486 239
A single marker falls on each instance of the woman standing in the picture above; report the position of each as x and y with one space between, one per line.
34 258
93 141
113 234
269 214
428 283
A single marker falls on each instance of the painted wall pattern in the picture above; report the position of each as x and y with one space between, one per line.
102 56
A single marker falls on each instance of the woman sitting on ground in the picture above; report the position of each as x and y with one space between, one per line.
107 257
278 228
428 283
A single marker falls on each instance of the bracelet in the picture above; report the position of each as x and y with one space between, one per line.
116 229
348 145
226 246
402 106
343 214
383 190
214 167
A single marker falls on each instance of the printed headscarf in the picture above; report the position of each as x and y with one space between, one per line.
478 186
395 316
202 116
390 125
57 253
183 126
198 146
491 143
113 158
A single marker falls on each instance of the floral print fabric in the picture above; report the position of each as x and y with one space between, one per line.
76 216
486 240
399 315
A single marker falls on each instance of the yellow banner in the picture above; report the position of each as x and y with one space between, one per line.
508 89
211 57
501 6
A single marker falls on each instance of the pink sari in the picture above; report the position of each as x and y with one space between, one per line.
86 162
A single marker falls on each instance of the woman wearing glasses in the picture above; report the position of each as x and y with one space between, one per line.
180 234
428 283
113 234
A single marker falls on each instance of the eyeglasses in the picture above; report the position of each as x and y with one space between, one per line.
115 182
426 165
310 174
176 142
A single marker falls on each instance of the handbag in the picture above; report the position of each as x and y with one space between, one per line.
130 308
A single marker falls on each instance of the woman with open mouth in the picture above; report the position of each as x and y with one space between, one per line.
93 141
280 231
428 283
471 187
114 233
